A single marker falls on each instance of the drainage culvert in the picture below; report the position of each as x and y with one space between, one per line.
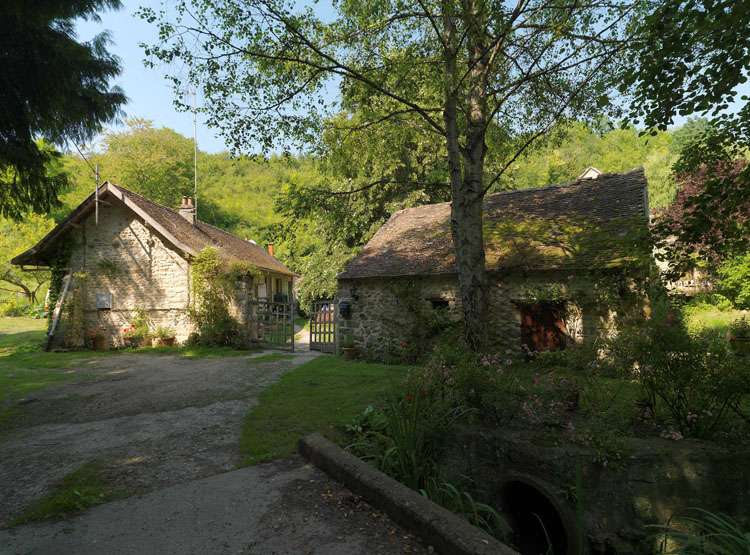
541 522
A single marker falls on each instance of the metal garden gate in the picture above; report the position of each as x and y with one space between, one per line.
324 326
272 324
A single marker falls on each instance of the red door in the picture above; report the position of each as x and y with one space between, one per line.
542 326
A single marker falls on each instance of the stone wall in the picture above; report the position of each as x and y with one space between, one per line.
657 480
123 257
378 317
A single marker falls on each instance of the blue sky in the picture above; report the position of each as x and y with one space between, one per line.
150 96
149 93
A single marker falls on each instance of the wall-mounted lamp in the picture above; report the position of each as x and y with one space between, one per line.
353 292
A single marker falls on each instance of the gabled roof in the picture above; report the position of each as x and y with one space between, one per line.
169 224
590 223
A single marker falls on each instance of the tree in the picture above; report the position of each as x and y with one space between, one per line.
16 237
51 86
155 163
685 240
472 73
691 58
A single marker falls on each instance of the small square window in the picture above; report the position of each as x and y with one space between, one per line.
104 301
440 304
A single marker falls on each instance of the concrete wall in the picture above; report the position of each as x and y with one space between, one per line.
378 318
123 257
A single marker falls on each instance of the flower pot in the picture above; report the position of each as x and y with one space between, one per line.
350 353
168 341
98 343
156 342
740 345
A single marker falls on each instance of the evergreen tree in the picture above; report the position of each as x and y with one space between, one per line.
51 86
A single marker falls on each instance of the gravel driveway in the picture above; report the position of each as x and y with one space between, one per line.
155 420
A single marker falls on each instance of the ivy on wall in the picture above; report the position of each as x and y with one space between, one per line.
212 287
59 269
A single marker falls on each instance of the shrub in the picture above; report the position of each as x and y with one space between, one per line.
12 308
36 311
212 287
695 379
406 440
734 280
740 328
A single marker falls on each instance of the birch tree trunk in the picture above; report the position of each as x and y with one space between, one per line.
467 186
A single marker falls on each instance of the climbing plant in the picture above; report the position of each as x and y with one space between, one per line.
59 269
212 286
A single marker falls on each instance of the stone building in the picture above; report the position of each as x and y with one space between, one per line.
124 252
563 261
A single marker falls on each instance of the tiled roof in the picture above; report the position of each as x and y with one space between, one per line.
185 236
584 224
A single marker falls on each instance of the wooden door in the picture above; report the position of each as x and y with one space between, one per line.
543 326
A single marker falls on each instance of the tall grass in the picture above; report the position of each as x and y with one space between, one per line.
707 533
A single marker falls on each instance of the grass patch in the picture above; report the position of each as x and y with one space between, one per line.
82 488
710 318
321 395
304 323
270 358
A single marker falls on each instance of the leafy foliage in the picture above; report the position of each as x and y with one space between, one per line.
16 237
689 61
52 87
155 163
686 231
697 380
734 279
212 286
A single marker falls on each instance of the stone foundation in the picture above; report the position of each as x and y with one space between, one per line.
659 479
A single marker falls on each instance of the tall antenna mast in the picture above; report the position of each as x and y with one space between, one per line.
96 195
195 149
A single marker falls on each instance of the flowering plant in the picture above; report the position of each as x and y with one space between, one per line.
137 331
96 333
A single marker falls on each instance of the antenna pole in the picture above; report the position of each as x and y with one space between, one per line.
96 194
195 149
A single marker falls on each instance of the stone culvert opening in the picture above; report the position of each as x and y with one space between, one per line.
539 520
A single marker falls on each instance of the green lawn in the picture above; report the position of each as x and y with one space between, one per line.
321 396
711 318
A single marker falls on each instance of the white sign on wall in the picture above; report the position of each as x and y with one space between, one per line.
262 290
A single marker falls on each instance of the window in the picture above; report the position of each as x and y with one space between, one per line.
440 304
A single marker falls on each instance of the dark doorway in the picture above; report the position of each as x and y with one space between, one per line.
543 326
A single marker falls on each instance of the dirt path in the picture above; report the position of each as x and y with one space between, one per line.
156 421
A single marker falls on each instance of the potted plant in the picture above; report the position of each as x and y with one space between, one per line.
349 347
739 336
98 338
136 334
163 336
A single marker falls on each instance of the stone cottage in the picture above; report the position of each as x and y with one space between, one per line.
562 261
125 251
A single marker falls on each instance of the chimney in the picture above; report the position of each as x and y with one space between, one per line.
187 210
270 249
